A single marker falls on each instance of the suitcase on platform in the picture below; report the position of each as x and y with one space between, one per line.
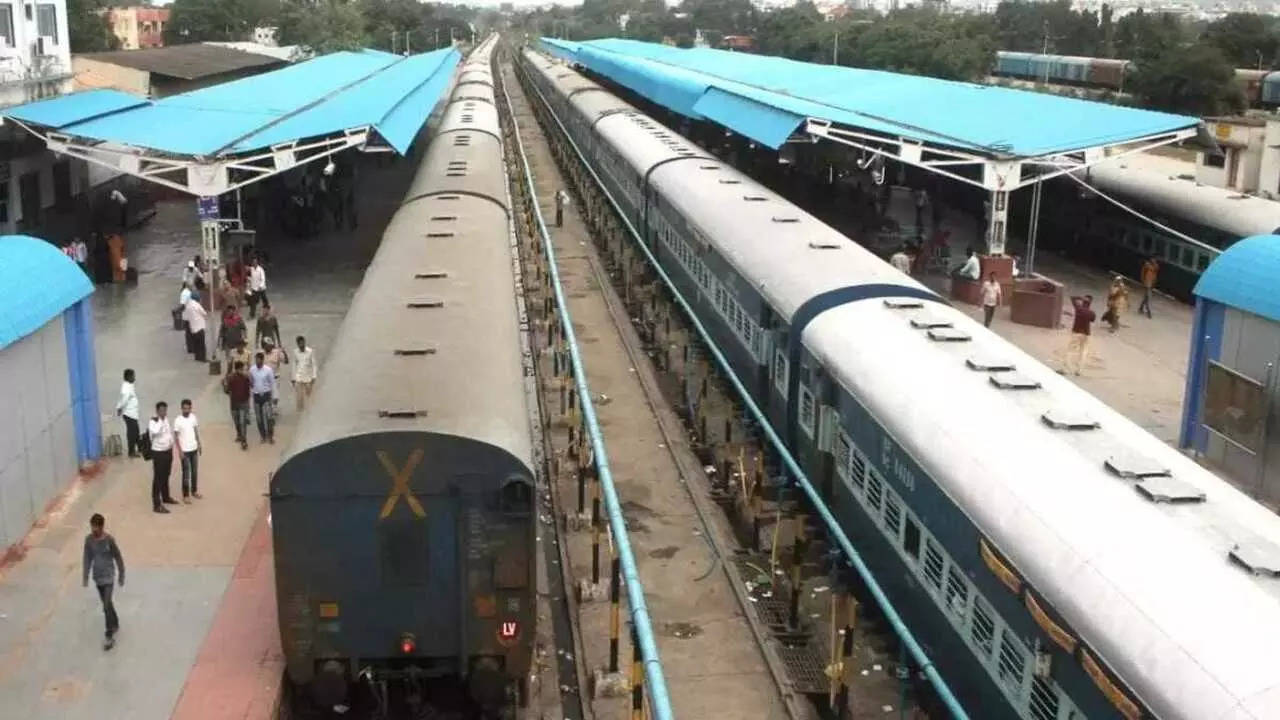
112 446
215 366
177 318
131 276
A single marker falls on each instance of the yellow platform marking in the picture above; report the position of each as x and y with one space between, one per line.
400 484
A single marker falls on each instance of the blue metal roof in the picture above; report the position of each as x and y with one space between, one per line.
1245 276
766 98
37 282
326 95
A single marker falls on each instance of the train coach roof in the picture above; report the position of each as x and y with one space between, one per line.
768 98
1149 571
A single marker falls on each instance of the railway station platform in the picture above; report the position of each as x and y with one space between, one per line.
197 615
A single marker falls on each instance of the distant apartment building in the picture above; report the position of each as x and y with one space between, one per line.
138 27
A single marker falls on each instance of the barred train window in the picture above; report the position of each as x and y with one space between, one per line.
844 454
984 628
1044 700
1013 661
780 372
892 513
957 592
875 488
806 410
933 563
859 467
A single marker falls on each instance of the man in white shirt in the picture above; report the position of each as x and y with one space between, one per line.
160 435
82 254
305 370
257 286
901 260
187 430
971 269
262 383
127 409
195 316
992 296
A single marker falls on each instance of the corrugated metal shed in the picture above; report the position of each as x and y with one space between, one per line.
189 62
329 94
37 282
767 98
1245 276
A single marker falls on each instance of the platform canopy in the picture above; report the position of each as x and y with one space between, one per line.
37 281
1016 137
220 138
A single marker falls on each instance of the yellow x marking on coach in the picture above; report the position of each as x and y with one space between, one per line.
400 484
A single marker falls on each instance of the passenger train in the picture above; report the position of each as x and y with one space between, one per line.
402 514
1057 561
1073 219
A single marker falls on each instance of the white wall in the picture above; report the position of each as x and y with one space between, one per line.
37 432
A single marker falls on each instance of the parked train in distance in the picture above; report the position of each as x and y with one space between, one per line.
1260 87
1056 560
403 513
1074 220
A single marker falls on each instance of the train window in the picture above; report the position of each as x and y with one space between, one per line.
516 498
1202 262
933 562
875 489
1013 661
1044 699
1188 257
1146 243
858 467
957 592
1171 253
911 538
982 630
806 410
892 513
1160 246
844 453
780 372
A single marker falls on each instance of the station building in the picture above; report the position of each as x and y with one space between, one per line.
1234 367
51 424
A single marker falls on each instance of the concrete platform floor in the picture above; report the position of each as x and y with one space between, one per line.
179 565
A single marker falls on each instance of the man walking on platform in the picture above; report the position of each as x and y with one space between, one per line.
257 286
992 295
160 435
267 327
1150 271
187 429
239 390
305 370
127 409
262 380
1081 329
101 559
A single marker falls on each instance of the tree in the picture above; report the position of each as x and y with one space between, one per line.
1245 39
1197 81
217 20
323 26
1037 26
1142 36
88 27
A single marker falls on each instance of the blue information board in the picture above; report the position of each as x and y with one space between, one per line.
207 208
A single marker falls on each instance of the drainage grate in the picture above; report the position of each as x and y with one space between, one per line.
804 666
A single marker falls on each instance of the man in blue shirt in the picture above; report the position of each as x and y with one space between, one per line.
262 382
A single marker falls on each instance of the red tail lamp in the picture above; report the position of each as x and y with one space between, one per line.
408 644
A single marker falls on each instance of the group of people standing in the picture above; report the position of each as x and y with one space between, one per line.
164 439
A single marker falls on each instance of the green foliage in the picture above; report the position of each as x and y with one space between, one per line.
217 20
1195 80
1037 26
1245 39
322 27
88 26
1142 36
